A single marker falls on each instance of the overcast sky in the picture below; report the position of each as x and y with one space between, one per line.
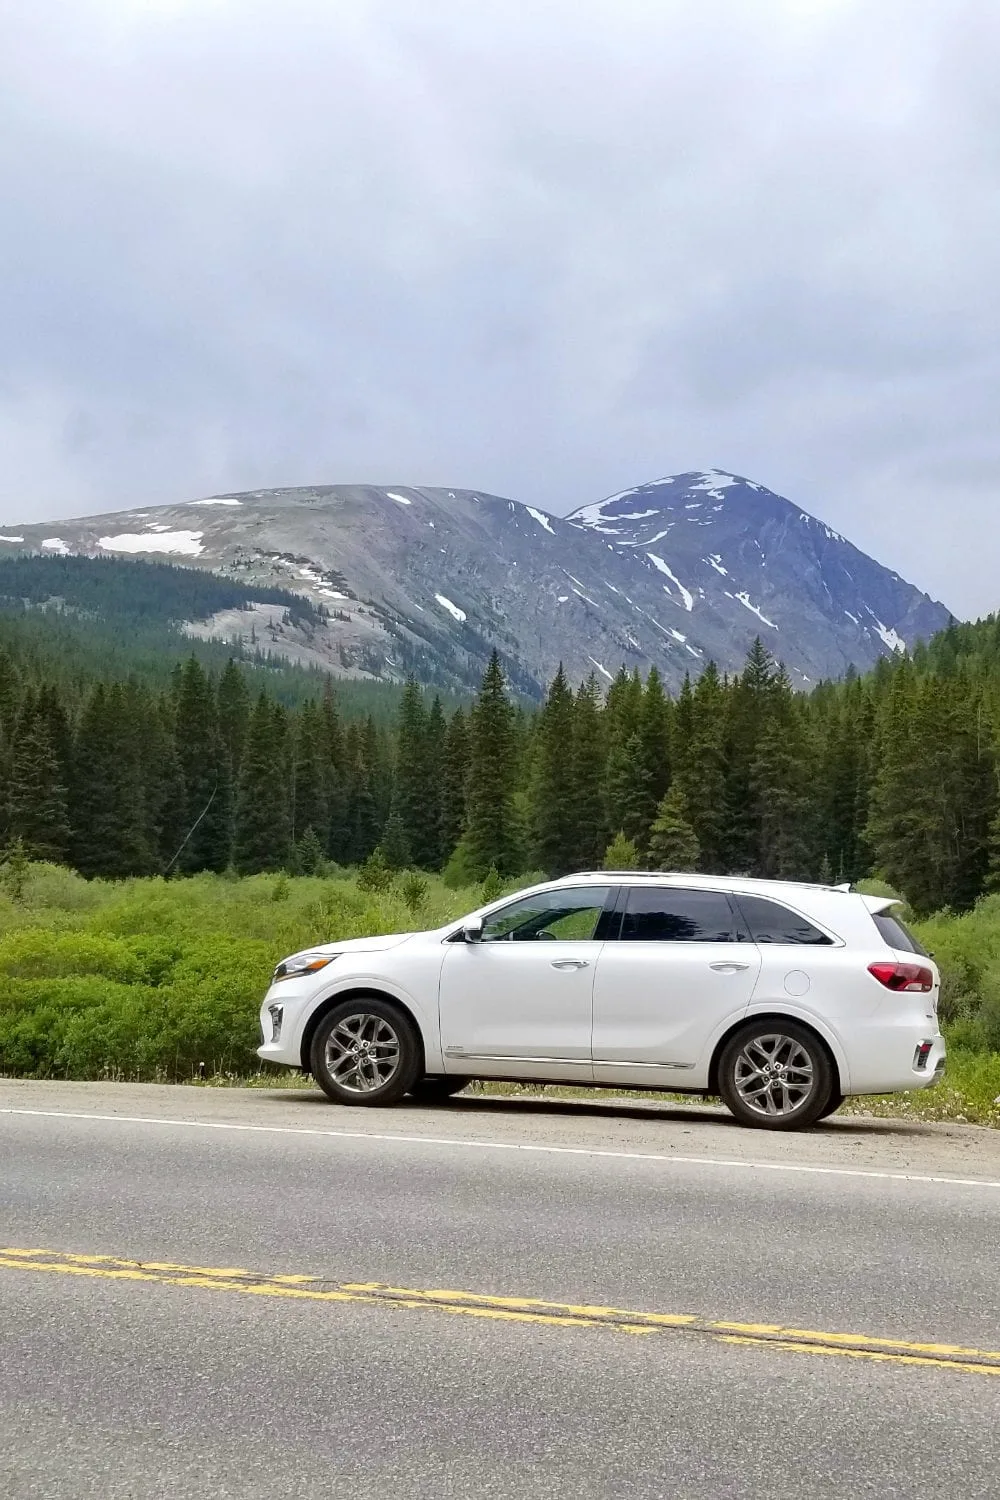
548 248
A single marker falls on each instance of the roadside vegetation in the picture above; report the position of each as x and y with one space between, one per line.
160 980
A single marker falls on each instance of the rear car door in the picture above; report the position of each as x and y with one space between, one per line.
518 1003
667 982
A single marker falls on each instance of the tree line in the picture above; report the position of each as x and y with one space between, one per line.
894 773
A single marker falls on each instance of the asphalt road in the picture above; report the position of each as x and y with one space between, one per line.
247 1293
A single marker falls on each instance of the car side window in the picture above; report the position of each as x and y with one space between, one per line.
569 916
664 915
771 923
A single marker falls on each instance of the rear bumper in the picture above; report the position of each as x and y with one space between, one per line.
902 1059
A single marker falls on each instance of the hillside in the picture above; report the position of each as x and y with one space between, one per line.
675 573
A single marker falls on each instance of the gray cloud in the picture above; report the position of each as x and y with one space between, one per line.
549 251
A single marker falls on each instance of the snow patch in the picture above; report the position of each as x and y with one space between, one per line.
685 594
399 499
747 603
678 637
714 479
889 636
216 502
654 539
11 538
453 609
183 543
543 520
715 561
562 598
56 544
601 669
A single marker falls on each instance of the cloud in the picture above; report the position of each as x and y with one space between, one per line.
548 252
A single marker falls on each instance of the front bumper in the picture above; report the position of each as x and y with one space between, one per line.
281 1015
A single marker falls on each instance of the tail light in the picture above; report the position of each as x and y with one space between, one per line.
903 978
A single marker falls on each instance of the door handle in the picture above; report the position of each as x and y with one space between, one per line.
570 963
728 967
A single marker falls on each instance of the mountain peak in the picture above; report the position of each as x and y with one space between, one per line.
678 571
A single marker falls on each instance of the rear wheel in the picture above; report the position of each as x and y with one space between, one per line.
365 1051
776 1075
436 1090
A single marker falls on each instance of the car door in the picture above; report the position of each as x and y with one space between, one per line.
518 1003
675 975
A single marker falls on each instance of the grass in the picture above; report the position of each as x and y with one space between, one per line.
153 980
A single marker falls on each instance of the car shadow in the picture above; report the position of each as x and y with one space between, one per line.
471 1106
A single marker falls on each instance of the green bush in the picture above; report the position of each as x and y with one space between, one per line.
149 978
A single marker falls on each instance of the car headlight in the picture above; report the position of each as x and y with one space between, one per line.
302 963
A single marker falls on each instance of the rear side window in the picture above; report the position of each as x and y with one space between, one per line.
669 916
896 934
771 923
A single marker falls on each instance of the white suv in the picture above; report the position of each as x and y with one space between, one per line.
781 998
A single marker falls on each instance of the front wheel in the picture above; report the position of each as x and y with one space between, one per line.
365 1051
776 1075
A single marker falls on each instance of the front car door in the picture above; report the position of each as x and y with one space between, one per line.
677 974
518 1003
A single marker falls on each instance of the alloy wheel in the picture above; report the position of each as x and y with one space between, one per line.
774 1074
362 1052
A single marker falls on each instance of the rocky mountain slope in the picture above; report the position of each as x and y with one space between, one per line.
678 572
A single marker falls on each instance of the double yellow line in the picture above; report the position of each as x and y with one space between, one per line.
502 1309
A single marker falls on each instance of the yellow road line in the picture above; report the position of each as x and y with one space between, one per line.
506 1309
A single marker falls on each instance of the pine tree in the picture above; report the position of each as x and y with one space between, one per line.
700 764
37 797
434 791
492 831
551 807
113 833
335 765
673 843
413 805
309 778
780 775
362 820
309 858
10 697
621 854
588 820
654 737
456 775
262 835
207 778
623 707
233 699
627 789
394 845
749 701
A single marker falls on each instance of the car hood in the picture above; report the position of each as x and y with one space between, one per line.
365 944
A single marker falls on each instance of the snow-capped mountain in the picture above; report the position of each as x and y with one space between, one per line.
681 571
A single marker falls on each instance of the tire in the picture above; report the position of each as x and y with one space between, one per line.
388 1060
832 1105
437 1089
776 1075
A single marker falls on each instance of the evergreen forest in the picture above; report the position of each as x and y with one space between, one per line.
895 774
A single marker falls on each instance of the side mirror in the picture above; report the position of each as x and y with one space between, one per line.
472 930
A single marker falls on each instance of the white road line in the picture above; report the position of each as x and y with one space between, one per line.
477 1145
